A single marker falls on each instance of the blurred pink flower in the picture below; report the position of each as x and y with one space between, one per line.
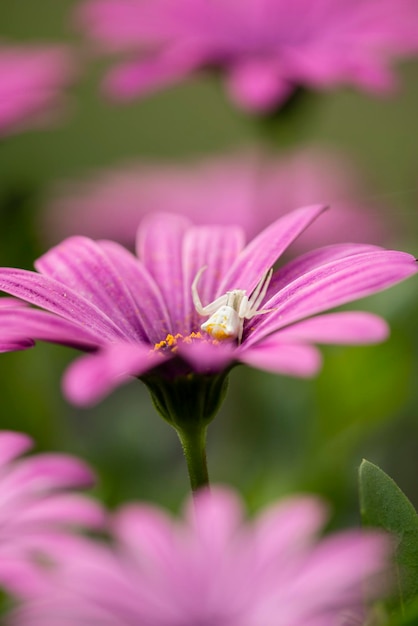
244 189
139 316
34 504
265 48
32 79
213 568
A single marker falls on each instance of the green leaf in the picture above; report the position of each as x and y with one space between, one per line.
384 505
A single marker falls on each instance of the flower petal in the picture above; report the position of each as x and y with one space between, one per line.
309 261
214 247
277 356
257 85
263 251
82 265
207 358
332 285
149 303
51 295
16 325
64 509
44 473
143 76
12 445
92 377
351 327
160 246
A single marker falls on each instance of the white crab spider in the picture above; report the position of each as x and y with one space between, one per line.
228 312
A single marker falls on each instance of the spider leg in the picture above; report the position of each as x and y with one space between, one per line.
210 308
258 295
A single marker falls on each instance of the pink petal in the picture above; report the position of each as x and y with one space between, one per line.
63 509
44 473
313 259
354 327
331 285
146 532
51 295
149 304
207 358
277 356
263 251
283 530
92 377
12 445
43 326
82 265
257 85
160 246
147 75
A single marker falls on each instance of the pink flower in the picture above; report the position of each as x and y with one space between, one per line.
139 316
265 48
244 189
213 568
32 79
35 504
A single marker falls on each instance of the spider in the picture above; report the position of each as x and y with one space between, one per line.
228 312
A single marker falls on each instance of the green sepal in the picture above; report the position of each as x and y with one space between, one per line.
189 403
384 505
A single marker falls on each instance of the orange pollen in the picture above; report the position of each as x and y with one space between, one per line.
171 341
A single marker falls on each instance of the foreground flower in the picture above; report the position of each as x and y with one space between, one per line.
34 504
244 189
32 79
265 48
138 317
215 568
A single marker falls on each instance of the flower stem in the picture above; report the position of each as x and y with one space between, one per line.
193 441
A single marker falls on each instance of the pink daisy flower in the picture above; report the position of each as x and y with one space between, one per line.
214 568
32 81
244 189
193 303
35 505
264 48
139 315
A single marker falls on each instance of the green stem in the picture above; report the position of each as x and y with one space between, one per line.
193 441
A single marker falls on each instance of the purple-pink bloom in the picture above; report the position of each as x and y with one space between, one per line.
35 503
264 48
32 81
136 315
214 568
246 189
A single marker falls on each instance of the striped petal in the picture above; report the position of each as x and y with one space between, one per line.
332 285
16 325
160 247
149 303
82 265
51 295
351 327
263 251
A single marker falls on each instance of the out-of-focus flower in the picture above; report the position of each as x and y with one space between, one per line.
35 505
265 48
244 189
32 80
215 568
139 317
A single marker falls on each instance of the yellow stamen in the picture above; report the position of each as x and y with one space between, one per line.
171 341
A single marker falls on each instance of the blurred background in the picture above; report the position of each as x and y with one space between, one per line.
274 435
